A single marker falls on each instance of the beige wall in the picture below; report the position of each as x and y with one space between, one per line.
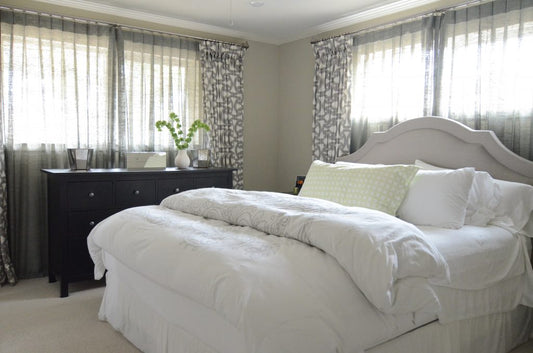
261 116
296 112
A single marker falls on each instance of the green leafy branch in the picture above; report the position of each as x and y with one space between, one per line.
180 139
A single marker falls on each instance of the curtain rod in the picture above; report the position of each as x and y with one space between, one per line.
243 44
376 27
405 20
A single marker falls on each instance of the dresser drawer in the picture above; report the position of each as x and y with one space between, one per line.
81 223
219 181
173 186
90 195
131 193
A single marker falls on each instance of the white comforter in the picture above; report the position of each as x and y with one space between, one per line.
295 274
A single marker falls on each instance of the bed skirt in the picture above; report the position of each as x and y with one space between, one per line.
495 333
187 327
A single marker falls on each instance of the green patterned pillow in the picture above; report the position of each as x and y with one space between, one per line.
379 187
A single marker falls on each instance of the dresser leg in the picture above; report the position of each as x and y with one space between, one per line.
51 277
64 288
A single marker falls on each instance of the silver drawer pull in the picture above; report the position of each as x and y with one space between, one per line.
177 190
136 192
91 194
92 223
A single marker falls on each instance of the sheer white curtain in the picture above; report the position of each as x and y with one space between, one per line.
471 64
55 95
161 75
68 83
54 79
392 72
486 70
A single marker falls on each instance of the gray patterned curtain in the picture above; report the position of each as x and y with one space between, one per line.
331 105
7 272
222 79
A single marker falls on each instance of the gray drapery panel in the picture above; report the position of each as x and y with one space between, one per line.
7 271
471 64
222 79
331 103
81 84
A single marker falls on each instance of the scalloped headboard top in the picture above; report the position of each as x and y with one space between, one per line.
444 143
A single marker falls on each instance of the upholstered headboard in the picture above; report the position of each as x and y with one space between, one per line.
445 143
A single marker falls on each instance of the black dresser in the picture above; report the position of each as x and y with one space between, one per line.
78 200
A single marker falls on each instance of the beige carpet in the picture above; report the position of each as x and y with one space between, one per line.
33 319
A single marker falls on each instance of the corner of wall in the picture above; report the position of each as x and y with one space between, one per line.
296 111
261 116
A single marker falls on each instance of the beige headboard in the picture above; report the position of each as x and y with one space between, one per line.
445 143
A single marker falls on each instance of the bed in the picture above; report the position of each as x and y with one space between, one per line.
417 242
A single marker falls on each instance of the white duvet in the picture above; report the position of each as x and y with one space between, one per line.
295 274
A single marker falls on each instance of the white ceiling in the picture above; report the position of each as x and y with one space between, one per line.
276 22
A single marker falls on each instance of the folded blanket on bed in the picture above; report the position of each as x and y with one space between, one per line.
387 258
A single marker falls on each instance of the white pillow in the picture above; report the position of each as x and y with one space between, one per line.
483 198
438 198
514 210
381 188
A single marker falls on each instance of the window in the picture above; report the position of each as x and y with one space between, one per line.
78 84
162 74
54 84
390 78
391 73
471 64
486 68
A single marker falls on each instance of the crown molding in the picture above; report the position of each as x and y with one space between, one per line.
346 21
149 17
372 13
360 17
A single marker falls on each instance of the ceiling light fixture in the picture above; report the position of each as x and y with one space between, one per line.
256 3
